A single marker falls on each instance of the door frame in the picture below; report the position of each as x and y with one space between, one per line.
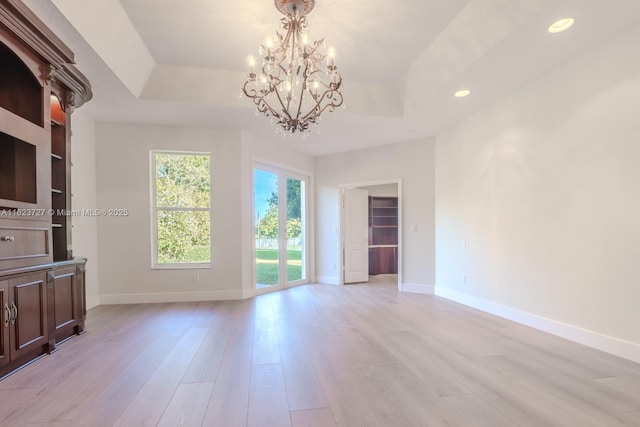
341 223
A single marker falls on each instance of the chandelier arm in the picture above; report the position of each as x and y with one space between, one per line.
301 98
284 110
255 97
295 33
331 107
329 95
314 109
262 105
251 93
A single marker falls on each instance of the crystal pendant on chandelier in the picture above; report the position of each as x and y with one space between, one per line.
296 81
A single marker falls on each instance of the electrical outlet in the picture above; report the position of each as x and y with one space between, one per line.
196 277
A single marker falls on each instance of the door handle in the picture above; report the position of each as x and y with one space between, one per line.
14 311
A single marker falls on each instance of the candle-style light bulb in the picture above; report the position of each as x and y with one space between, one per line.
331 53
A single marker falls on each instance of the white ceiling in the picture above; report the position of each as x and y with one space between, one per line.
183 63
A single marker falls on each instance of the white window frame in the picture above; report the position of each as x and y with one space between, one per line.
154 214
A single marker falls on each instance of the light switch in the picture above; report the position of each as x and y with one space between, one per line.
414 227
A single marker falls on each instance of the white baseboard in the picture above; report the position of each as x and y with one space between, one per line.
328 280
615 346
93 302
417 288
170 297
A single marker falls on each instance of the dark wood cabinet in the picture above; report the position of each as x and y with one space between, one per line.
66 302
383 260
24 319
6 308
41 283
28 326
383 235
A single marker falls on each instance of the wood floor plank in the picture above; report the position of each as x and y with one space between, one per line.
624 390
229 400
77 386
206 362
149 404
267 397
322 417
15 402
477 411
108 401
188 406
265 340
304 390
341 380
243 320
635 416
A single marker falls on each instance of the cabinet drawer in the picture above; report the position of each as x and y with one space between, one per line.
23 242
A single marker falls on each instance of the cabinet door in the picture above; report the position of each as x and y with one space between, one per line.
5 321
29 294
383 260
63 288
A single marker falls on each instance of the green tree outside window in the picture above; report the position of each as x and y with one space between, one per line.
183 206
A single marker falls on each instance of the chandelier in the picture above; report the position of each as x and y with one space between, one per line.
296 81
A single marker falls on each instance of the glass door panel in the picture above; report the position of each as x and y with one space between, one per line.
295 230
267 229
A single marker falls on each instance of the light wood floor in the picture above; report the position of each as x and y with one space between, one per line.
319 355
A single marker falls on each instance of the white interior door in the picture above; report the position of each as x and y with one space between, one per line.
356 235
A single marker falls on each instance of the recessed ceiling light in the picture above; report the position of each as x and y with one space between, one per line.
561 25
462 93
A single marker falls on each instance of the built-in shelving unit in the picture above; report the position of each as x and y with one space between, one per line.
383 235
42 298
60 168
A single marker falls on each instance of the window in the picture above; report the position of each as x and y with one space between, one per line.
181 209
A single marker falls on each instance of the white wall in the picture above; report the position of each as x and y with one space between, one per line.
382 190
413 163
124 242
83 189
543 187
123 182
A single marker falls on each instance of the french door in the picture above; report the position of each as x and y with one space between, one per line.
279 228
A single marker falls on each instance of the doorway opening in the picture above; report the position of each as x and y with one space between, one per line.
371 232
280 228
